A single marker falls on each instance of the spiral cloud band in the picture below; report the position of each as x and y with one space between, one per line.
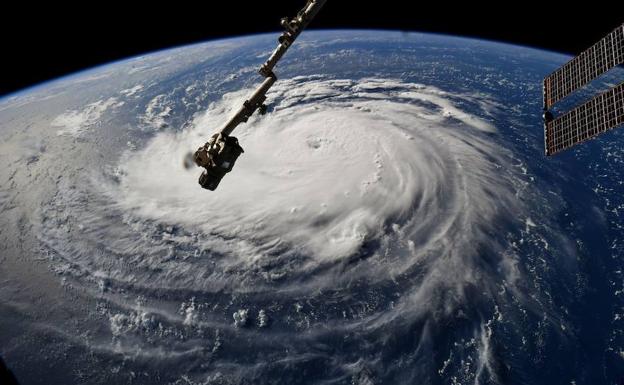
335 164
389 187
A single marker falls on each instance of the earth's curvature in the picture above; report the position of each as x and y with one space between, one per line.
392 221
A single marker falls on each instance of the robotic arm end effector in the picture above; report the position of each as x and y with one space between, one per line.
217 157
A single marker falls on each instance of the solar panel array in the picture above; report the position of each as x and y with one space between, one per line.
600 114
591 63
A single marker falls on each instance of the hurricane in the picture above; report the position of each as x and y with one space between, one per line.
366 232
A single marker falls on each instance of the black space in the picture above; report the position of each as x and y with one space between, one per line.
47 41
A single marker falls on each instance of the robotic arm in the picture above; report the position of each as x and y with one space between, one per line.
292 28
219 154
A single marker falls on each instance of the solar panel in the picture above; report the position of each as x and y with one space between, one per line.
591 63
602 113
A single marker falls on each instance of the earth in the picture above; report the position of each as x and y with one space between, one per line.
393 220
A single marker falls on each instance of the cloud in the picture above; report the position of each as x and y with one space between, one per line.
76 122
335 166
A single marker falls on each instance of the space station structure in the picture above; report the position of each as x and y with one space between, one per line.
220 153
601 113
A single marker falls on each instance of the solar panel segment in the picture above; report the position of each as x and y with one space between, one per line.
591 63
600 114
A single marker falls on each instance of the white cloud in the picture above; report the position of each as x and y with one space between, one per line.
75 122
131 91
326 170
